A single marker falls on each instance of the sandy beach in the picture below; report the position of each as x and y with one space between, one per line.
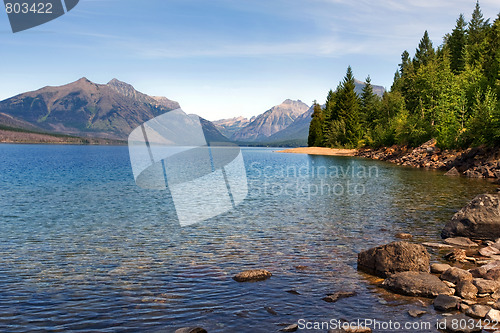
320 151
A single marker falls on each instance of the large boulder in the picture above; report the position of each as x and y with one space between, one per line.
394 258
479 219
416 284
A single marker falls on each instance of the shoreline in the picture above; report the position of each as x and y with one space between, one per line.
476 162
320 151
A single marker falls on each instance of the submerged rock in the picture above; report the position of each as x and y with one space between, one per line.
452 172
393 258
415 313
416 284
191 330
456 255
446 303
339 295
252 275
402 235
290 328
479 219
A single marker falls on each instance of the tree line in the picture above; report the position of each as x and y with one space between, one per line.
450 93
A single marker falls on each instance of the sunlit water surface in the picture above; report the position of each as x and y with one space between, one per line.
83 249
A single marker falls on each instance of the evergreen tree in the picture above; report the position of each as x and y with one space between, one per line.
492 58
369 105
425 51
456 44
405 64
477 26
348 111
315 138
476 33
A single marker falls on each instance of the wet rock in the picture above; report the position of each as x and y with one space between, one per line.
455 275
449 284
489 251
416 313
478 272
460 241
479 219
270 310
478 311
291 328
452 172
393 258
486 286
252 275
416 284
339 295
456 255
402 235
466 289
449 324
302 268
437 245
446 303
439 268
191 330
493 274
493 316
293 292
357 330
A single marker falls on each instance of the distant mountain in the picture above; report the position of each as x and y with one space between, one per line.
230 126
86 109
270 122
298 131
359 85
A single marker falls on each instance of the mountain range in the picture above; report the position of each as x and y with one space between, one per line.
284 124
86 109
111 111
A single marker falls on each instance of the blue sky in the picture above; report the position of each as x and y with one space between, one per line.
224 58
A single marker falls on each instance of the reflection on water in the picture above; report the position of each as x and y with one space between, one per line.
82 248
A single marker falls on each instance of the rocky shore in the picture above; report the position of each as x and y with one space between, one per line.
461 274
479 162
463 281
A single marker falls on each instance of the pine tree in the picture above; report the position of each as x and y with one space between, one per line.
425 51
456 44
476 35
348 111
404 66
369 105
491 65
315 138
477 26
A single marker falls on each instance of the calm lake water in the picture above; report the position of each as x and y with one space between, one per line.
83 249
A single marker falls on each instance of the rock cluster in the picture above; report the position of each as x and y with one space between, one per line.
472 162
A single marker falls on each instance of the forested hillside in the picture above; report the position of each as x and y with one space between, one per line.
450 93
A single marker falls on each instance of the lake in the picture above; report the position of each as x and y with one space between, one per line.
83 249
